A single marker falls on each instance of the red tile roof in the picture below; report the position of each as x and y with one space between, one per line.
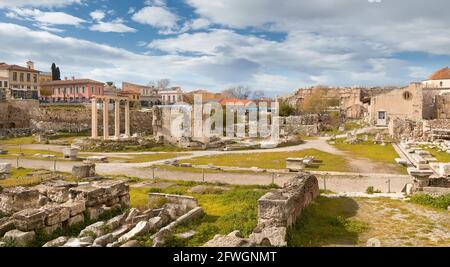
234 101
70 82
4 66
442 74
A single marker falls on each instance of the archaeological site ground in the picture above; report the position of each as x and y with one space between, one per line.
226 131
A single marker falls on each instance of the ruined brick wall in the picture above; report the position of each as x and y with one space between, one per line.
26 117
442 107
305 124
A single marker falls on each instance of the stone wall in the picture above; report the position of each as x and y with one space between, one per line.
277 212
20 118
305 124
442 107
282 207
59 204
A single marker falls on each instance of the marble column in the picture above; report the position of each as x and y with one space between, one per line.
117 119
127 119
94 125
106 118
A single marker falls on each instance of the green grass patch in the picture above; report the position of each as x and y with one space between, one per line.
327 221
441 156
19 141
24 177
225 212
274 160
441 202
377 153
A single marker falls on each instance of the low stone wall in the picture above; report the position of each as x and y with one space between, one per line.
277 211
282 207
189 202
59 204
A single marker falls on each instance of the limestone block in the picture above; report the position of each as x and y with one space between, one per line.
74 207
131 244
97 229
233 239
115 188
49 230
121 231
75 220
56 242
17 199
76 243
93 196
131 214
116 222
5 168
104 240
83 171
270 236
29 219
140 229
6 224
95 212
20 238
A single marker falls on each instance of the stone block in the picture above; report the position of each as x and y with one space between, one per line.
74 207
18 198
104 240
49 230
97 229
29 219
93 196
58 242
95 212
78 219
5 168
20 238
6 224
140 229
83 171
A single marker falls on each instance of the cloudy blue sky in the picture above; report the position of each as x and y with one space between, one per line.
275 46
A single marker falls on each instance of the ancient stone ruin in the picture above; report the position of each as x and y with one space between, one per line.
54 205
277 212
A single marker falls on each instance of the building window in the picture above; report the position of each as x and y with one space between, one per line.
35 78
441 83
28 77
15 76
21 77
407 95
92 89
76 90
84 89
6 84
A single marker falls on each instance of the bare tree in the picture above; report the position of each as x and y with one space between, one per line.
257 94
239 92
163 84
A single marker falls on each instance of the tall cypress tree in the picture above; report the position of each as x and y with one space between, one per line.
53 69
58 74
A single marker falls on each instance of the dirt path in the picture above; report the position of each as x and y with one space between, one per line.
397 223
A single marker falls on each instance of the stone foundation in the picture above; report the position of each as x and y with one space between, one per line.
277 212
59 204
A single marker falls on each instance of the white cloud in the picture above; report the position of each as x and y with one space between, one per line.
114 26
39 3
157 17
45 18
97 15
